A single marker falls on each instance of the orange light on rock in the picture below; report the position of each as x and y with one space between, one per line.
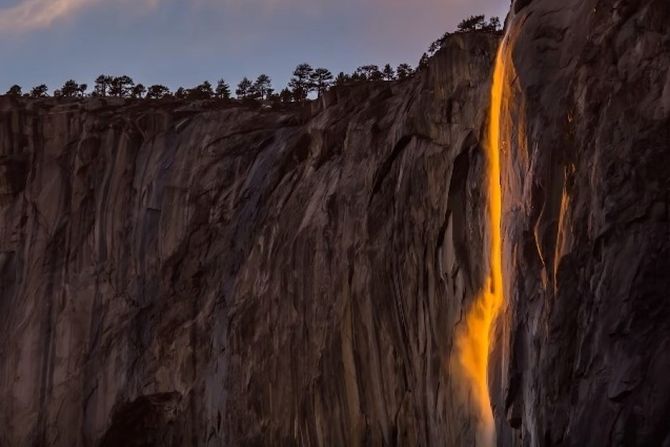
473 342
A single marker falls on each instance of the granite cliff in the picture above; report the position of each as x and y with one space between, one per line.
583 353
185 274
175 275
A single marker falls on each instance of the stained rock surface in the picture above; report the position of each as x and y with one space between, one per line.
180 274
173 274
583 353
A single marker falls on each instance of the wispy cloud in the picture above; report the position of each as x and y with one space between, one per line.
29 15
33 14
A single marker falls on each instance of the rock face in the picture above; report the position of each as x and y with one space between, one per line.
584 344
173 275
179 275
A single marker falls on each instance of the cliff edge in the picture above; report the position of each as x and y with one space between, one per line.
180 276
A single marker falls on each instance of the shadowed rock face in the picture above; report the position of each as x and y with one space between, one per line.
584 346
176 276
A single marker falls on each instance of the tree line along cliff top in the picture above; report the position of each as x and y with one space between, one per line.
306 82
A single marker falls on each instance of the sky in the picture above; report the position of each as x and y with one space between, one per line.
184 42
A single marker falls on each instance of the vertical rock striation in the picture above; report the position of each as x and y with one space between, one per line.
583 353
180 274
173 275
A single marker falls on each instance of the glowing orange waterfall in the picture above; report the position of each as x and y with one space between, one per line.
473 342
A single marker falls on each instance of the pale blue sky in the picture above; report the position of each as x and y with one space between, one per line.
183 42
